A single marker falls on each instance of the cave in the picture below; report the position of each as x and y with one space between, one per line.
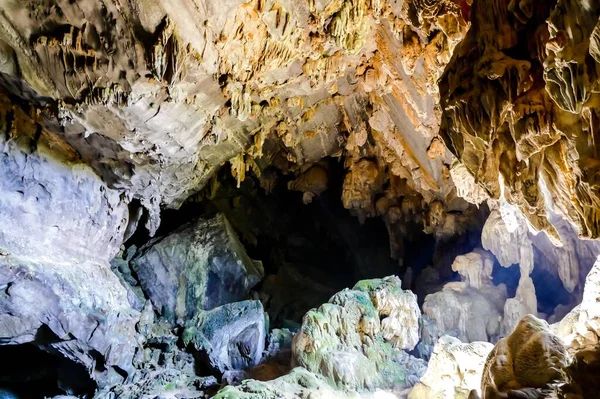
28 371
284 199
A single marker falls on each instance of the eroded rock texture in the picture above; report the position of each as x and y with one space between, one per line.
519 109
454 369
200 266
61 225
232 336
472 309
155 96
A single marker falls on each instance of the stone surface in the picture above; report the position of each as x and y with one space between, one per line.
199 266
61 225
454 369
355 340
231 336
470 310
299 383
519 110
530 357
580 328
474 268
51 204
467 314
156 95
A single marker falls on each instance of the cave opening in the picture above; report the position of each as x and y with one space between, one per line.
549 290
28 372
509 276
319 246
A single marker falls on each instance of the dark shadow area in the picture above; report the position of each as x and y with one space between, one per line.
506 275
549 290
320 247
27 372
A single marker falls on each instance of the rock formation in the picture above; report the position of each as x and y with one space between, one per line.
198 267
356 340
150 150
232 336
454 369
58 292
471 310
530 357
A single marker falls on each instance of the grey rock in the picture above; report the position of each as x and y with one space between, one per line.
52 207
232 336
120 267
81 303
60 226
299 383
161 383
199 266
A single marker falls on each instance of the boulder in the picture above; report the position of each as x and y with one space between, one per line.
356 339
530 358
199 266
454 369
231 337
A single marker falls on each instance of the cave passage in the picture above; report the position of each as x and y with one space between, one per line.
27 372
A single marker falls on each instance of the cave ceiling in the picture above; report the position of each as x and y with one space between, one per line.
431 106
157 95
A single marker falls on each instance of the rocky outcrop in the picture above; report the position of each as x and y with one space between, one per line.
297 384
355 340
199 266
156 96
454 369
505 235
51 204
580 328
162 367
231 336
61 225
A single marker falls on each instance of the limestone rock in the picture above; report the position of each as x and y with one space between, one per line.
580 329
505 234
81 303
51 204
454 369
475 268
519 107
472 309
397 310
199 266
163 383
279 345
231 336
466 313
157 95
61 225
297 384
530 357
355 339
